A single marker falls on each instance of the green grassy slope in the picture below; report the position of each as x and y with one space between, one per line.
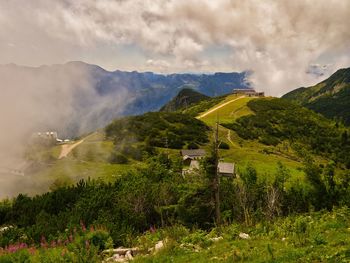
317 237
242 152
280 123
90 159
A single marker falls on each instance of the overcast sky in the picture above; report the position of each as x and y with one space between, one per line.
278 40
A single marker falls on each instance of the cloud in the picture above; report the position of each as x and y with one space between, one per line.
61 98
278 40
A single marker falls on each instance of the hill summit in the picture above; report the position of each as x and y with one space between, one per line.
183 99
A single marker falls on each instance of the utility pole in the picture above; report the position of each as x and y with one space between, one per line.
217 176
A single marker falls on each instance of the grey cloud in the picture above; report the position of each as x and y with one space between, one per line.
278 40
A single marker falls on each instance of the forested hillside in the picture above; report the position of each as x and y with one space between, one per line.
159 129
331 97
278 120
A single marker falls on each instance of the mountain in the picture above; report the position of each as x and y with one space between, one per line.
183 99
76 97
331 97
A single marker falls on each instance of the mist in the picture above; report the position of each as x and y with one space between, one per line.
60 98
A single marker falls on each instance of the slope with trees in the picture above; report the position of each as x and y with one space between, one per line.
331 97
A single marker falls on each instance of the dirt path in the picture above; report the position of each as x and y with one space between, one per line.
229 137
67 148
218 107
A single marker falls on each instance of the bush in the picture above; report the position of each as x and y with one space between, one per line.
224 146
100 239
192 145
117 158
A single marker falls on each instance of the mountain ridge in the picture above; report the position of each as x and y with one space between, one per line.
331 97
79 86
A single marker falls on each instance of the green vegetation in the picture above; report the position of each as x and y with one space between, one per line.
241 151
314 237
158 129
331 97
158 195
230 112
203 106
90 159
276 120
291 193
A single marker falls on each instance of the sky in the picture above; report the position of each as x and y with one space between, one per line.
278 40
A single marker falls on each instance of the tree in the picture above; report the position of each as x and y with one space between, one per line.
275 192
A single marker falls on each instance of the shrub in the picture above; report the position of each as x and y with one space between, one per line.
192 145
224 145
100 239
117 158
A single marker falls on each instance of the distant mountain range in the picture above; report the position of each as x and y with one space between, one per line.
330 97
80 97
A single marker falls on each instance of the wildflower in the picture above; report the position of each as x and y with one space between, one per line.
82 226
53 243
152 229
43 242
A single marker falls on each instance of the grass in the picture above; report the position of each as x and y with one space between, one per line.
326 239
242 152
229 112
88 160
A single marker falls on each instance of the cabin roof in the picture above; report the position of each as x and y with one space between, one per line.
193 153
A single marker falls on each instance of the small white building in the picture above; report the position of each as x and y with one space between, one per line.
226 169
190 155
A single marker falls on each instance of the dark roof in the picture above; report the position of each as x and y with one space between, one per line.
193 153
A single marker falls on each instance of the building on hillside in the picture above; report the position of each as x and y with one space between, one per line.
248 92
226 169
190 155
192 168
47 137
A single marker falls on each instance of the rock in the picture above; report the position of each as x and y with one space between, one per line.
129 256
216 239
121 254
5 228
122 251
244 235
159 246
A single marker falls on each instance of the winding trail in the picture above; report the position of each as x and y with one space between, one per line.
67 148
218 107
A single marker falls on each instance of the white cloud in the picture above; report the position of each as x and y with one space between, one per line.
278 40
